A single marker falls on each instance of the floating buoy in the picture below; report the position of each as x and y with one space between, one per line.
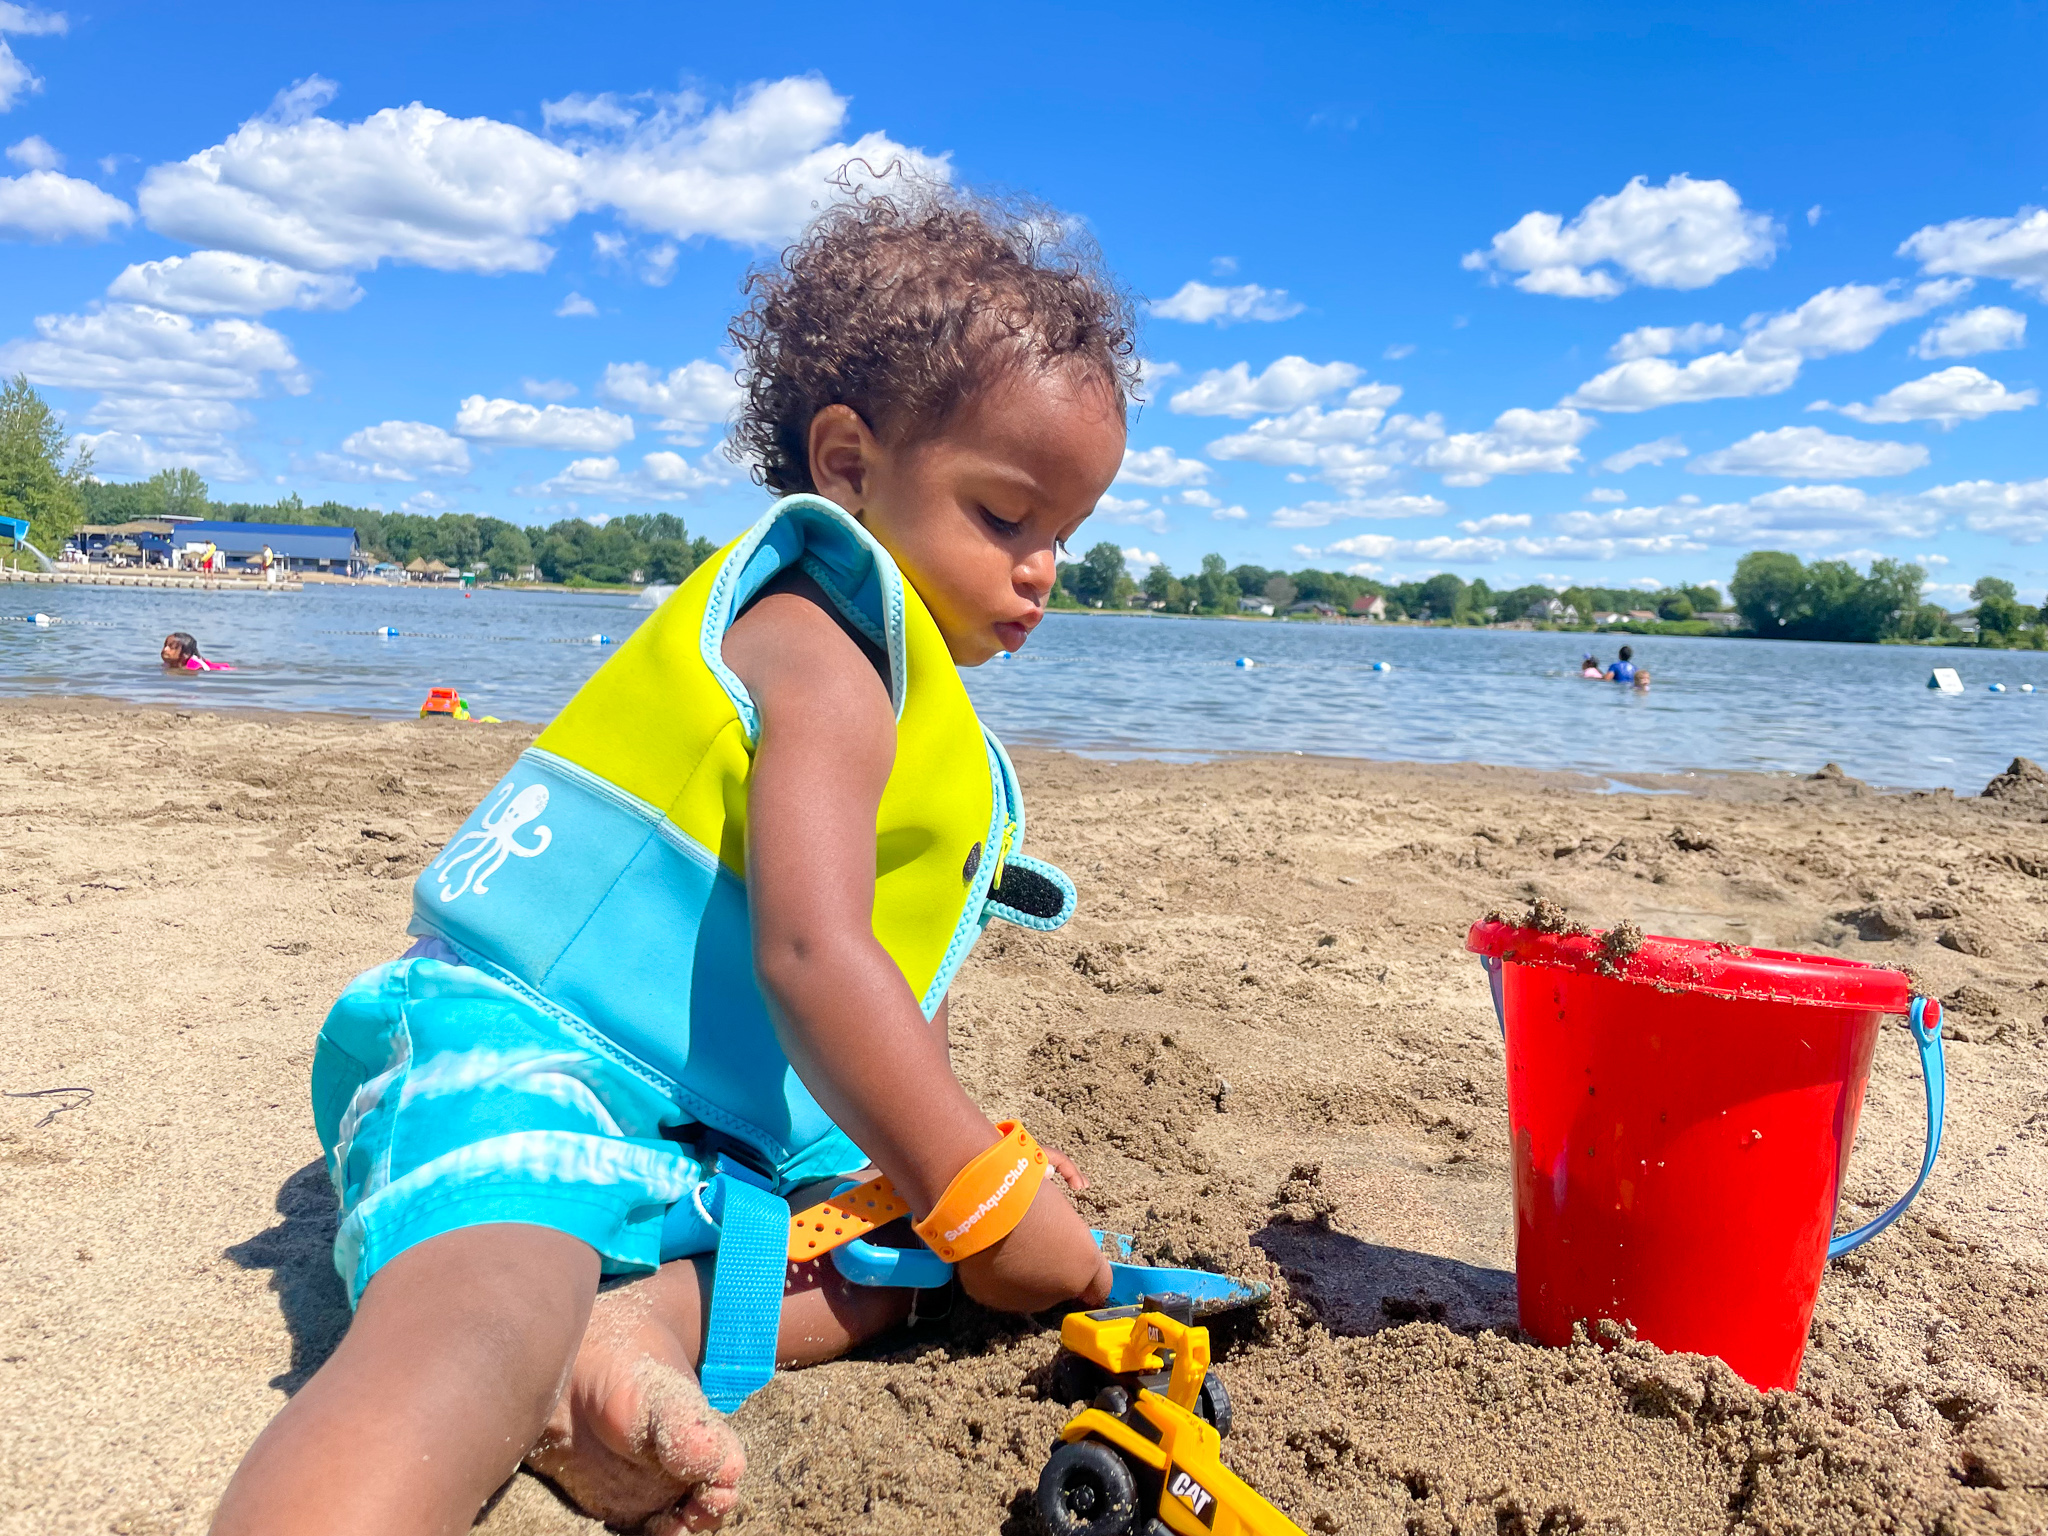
1005 656
1383 666
1997 688
601 640
42 621
2026 687
385 633
1945 679
1246 662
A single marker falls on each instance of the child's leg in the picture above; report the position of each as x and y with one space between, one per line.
448 1373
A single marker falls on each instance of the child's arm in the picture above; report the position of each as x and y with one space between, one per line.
842 1009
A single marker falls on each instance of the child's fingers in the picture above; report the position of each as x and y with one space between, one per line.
1063 1165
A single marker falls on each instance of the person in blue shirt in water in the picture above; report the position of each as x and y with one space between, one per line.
1624 670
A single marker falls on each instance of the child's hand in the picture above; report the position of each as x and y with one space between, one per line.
1063 1165
1051 1257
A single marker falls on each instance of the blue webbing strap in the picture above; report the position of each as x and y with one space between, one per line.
746 1289
1925 1022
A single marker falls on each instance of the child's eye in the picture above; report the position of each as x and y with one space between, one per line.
1060 545
996 525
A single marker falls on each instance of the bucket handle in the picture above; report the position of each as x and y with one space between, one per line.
1925 1022
1923 1019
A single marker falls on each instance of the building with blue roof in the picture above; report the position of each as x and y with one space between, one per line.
325 548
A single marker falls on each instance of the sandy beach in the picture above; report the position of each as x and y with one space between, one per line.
1261 1037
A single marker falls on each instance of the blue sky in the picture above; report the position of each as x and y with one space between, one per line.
1605 294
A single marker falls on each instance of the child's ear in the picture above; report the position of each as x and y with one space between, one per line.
842 452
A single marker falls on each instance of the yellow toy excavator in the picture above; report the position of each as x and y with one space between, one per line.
1145 1457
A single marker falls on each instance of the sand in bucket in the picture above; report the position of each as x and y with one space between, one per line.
1681 1116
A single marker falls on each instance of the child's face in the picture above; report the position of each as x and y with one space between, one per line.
974 517
173 653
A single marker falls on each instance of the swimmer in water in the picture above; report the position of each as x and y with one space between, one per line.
1589 666
181 653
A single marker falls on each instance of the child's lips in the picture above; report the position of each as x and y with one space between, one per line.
1014 635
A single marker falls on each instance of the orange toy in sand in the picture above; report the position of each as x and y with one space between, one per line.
445 702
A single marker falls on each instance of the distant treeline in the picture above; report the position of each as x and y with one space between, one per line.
632 547
1099 579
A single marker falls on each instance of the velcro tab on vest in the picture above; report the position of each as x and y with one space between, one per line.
1032 894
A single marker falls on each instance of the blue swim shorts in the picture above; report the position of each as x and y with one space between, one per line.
447 1099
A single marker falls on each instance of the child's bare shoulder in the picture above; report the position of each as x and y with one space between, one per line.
793 649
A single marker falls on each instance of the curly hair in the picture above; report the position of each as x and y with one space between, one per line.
905 305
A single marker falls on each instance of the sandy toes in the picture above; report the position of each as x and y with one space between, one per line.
633 1441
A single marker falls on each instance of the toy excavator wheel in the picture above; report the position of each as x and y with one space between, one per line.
1214 1403
1087 1490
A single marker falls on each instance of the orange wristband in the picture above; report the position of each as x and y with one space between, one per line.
987 1198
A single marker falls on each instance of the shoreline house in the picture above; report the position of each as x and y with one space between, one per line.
1551 610
325 549
1369 605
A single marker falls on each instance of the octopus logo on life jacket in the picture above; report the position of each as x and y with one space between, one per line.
482 851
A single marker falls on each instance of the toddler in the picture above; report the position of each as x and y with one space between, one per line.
684 971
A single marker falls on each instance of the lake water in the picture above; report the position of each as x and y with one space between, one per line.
1121 686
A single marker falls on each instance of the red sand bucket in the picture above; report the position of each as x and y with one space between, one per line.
1681 1120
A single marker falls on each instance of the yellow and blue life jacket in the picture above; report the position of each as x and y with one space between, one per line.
606 871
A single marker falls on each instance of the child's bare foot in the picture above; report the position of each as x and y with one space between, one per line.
632 1441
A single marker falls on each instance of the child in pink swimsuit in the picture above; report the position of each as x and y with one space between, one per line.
181 651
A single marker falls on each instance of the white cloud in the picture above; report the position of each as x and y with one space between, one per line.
1135 511
662 476
1645 383
129 453
1520 442
172 418
575 307
2015 249
1198 498
225 283
1808 453
1320 514
1988 328
1286 383
1663 340
30 21
1441 548
1835 320
45 205
1398 350
547 389
1684 234
394 449
35 153
1228 514
1198 303
1606 493
1813 215
1645 453
16 78
1811 517
518 424
424 503
413 184
1150 372
751 173
1162 466
1140 561
689 399
1348 446
131 349
1500 522
2018 508
406 184
1948 396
